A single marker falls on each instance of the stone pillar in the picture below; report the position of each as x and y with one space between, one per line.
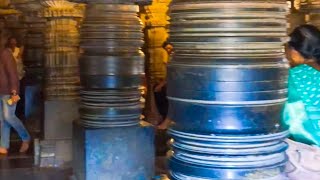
15 27
227 86
61 86
156 33
296 16
312 10
4 11
109 141
33 59
62 50
34 37
34 46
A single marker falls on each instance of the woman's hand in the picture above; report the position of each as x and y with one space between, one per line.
159 87
14 96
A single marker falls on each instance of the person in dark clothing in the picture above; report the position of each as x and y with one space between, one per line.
9 90
160 93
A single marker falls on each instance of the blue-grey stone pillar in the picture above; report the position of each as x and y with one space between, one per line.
227 88
109 142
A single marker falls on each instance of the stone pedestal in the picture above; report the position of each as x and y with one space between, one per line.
124 153
58 119
56 148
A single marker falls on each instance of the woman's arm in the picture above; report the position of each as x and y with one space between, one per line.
11 71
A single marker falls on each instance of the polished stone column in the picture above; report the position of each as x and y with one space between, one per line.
227 86
110 142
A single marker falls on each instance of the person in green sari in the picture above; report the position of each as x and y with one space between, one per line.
302 111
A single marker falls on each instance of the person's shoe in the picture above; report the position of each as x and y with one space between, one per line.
24 146
3 151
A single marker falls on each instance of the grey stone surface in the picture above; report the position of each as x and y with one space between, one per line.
58 118
56 148
56 153
124 153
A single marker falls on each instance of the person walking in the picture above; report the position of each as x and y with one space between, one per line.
9 96
17 53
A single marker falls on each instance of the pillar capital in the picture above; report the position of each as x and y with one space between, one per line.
61 8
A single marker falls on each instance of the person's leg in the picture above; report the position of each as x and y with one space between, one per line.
5 134
5 129
13 121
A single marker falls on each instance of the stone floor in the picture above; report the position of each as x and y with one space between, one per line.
18 166
34 174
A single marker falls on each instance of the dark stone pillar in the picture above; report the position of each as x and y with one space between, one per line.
226 88
109 142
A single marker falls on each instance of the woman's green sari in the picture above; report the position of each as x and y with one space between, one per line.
302 111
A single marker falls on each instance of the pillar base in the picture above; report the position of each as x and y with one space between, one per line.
58 119
113 153
55 150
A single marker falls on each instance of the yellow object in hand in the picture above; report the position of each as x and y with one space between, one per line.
13 100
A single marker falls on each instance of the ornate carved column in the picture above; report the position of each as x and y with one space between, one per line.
61 79
8 16
34 38
312 9
62 49
156 33
297 16
156 23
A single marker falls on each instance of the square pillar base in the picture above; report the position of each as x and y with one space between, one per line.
124 153
55 150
